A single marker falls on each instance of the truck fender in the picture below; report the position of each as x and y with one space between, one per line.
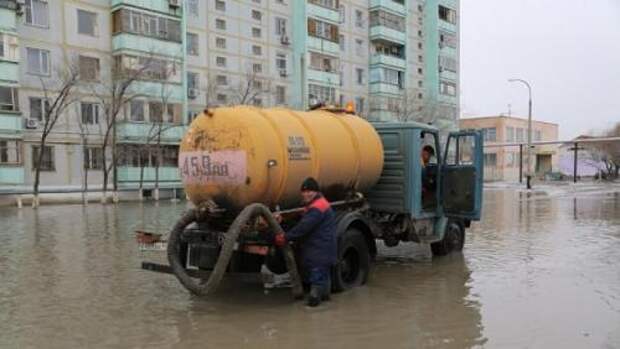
360 222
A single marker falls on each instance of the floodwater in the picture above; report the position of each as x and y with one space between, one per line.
540 271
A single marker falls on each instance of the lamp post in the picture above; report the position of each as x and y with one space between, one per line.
529 132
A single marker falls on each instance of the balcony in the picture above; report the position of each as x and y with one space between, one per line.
153 5
323 77
322 45
446 26
11 123
9 71
384 88
173 92
390 5
323 13
448 75
138 132
167 174
133 42
379 32
392 61
11 175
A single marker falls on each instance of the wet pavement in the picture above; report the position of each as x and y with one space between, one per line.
539 271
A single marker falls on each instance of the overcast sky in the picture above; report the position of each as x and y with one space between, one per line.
569 51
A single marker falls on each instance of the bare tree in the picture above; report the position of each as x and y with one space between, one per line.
610 152
410 107
84 142
113 95
57 97
250 89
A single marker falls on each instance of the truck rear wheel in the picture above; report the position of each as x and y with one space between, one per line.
453 240
353 263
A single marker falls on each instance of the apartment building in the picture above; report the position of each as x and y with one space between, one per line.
395 59
501 163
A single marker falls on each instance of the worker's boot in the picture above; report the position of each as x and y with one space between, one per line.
314 298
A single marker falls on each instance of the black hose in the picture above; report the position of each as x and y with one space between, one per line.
231 237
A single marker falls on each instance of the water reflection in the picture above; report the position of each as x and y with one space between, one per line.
539 270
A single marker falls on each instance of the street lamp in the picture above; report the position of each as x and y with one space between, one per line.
529 131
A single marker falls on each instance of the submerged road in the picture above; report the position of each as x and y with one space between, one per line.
539 271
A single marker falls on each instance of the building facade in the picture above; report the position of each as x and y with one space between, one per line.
501 163
395 59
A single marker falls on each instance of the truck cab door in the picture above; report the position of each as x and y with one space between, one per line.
462 175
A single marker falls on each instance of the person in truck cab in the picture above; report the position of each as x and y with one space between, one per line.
428 177
316 232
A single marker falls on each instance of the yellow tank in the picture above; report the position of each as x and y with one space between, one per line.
239 155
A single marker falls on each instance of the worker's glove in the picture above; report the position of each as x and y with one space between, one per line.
279 239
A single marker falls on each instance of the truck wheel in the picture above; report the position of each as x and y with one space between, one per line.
353 263
453 240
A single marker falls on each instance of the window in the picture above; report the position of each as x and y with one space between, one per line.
192 44
257 50
448 63
386 19
87 22
323 63
341 13
341 42
148 68
537 136
280 26
221 80
9 48
280 95
93 158
130 21
359 47
192 7
320 93
388 76
332 4
90 113
220 24
192 80
447 39
359 105
447 88
220 43
322 30
447 14
136 110
10 151
220 5
359 76
156 112
38 61
256 32
170 155
281 61
510 134
8 99
36 12
39 108
490 134
222 98
89 68
257 15
359 19
520 135
257 68
220 61
490 160
47 161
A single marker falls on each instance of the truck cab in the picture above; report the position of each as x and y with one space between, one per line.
431 201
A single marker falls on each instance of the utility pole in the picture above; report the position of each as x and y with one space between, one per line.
529 132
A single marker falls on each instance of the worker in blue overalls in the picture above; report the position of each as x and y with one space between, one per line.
316 232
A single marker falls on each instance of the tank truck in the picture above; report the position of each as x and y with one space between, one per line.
240 165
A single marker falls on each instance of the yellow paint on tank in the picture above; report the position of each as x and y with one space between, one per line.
239 155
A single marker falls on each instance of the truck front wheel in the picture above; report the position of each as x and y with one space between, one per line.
453 240
353 263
